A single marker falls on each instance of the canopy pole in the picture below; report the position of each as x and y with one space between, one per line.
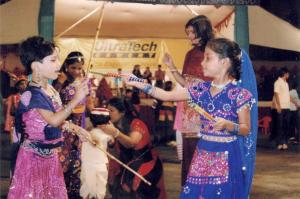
241 27
78 22
192 11
96 37
46 19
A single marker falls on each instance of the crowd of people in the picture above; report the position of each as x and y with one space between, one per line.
57 126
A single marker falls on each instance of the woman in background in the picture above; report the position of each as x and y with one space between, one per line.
12 106
133 145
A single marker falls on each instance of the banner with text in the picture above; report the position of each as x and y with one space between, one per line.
111 54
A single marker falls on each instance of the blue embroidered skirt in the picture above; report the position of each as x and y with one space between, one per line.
215 172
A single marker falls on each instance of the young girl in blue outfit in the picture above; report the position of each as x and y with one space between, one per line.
218 165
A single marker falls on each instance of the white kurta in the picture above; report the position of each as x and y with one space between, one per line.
94 171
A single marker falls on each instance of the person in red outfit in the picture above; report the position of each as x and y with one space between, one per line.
159 76
134 148
12 105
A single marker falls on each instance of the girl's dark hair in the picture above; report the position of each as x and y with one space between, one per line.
226 48
97 119
72 58
34 49
282 71
203 29
168 85
123 107
17 85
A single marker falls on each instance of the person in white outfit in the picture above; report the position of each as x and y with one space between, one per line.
294 108
94 168
282 102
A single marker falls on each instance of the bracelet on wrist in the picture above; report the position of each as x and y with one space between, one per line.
67 109
136 79
148 89
117 134
236 129
66 126
173 70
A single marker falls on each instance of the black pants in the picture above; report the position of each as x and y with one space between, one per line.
189 145
283 119
294 125
273 125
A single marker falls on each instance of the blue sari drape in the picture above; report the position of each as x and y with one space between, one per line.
248 143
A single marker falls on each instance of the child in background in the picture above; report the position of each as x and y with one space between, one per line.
94 168
12 105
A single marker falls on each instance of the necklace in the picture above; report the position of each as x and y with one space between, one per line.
53 94
33 83
219 86
49 91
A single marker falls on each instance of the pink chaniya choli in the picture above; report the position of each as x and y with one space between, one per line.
38 173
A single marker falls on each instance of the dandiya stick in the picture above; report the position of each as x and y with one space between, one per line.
116 159
96 36
202 111
109 74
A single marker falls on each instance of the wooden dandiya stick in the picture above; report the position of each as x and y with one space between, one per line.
115 159
109 74
96 37
202 111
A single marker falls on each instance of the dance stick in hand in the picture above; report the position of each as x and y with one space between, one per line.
132 78
202 111
77 129
107 74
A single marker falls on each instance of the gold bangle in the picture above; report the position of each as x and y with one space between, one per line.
117 134
68 109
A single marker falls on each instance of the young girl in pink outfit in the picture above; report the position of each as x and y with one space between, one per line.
38 172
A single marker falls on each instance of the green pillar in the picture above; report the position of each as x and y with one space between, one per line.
46 19
241 28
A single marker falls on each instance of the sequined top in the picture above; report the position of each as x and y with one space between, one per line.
34 122
225 104
68 93
39 133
